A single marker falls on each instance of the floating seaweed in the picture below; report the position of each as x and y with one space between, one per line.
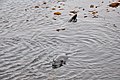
73 19
114 5
91 6
74 12
53 9
60 29
36 6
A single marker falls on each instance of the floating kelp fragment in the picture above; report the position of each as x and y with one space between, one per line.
114 25
91 6
73 19
74 12
60 29
94 12
107 10
83 9
27 20
47 7
59 6
53 8
44 2
63 29
46 16
85 16
57 13
61 9
96 6
54 18
114 5
95 16
25 9
36 6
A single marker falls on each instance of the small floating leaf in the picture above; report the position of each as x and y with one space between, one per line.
57 13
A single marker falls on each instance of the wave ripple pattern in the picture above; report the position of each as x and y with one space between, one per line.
29 42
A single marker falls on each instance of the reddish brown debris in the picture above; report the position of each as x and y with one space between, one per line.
57 13
114 5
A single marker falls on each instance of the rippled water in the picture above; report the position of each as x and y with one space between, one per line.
29 42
